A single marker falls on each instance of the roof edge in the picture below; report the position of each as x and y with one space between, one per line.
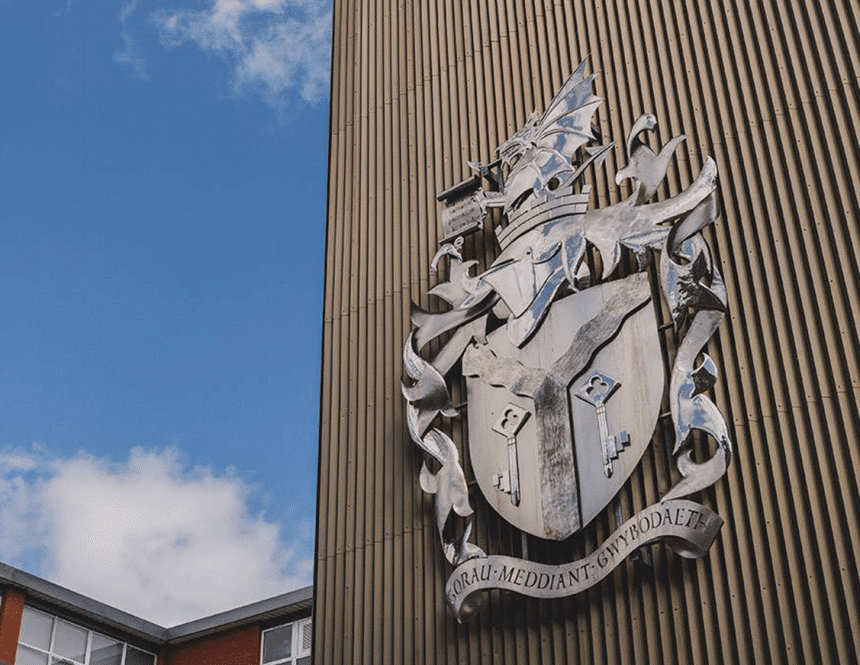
54 594
292 601
72 600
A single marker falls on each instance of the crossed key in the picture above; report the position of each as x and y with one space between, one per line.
508 424
596 390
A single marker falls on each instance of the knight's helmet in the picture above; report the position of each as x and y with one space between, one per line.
539 170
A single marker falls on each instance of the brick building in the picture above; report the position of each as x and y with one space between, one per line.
42 623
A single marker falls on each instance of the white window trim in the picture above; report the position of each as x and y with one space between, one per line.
50 652
295 642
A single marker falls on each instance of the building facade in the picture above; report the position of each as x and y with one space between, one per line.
769 90
42 623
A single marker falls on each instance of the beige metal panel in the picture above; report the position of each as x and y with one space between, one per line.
770 90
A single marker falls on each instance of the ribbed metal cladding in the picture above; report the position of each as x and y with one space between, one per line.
770 90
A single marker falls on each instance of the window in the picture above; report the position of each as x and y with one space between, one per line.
289 644
48 640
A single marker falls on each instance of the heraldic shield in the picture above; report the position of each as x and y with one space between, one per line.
560 349
556 427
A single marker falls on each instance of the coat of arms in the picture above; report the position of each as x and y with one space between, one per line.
560 353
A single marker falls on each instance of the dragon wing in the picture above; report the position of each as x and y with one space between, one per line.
561 130
566 124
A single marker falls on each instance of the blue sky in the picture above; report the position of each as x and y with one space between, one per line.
162 218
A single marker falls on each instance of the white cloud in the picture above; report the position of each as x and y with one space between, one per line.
273 46
129 55
148 535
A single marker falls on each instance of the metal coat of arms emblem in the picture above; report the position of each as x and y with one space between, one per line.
560 354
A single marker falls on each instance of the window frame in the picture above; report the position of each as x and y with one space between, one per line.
50 653
296 650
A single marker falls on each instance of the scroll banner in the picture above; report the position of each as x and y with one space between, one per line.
685 526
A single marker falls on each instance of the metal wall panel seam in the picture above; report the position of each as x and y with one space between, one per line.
569 44
335 142
835 613
467 43
540 83
471 81
475 57
505 53
330 624
323 535
638 52
617 108
416 152
402 232
676 121
681 91
653 479
406 29
641 627
707 649
343 306
660 80
817 248
378 242
833 184
841 131
731 216
630 104
776 378
546 23
481 49
824 538
482 45
381 440
355 502
358 271
701 100
370 299
844 600
387 371
491 66
423 75
839 466
354 433
771 519
427 146
445 85
521 65
547 26
529 78
338 306
536 39
439 124
529 44
442 124
609 82
598 58
635 64
387 359
451 102
456 105
372 596
403 497
460 108
426 189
